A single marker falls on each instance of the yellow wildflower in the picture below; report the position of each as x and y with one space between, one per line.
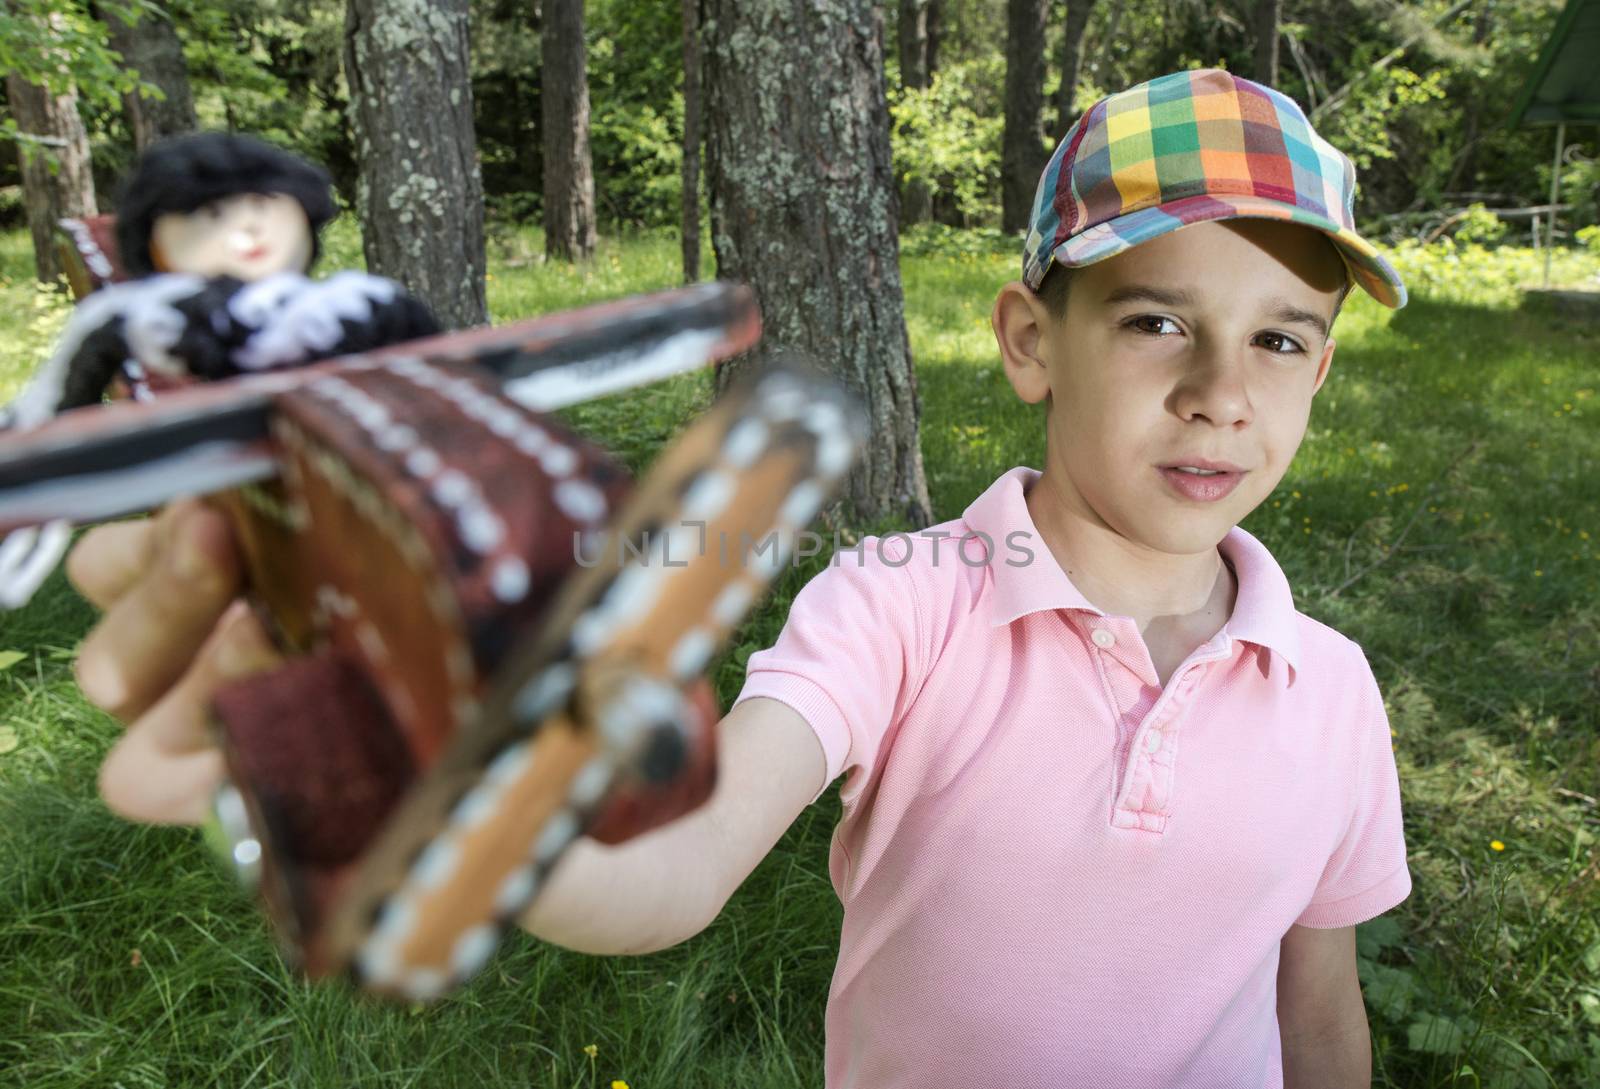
591 1050
1496 845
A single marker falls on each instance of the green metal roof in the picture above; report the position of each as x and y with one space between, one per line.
1565 85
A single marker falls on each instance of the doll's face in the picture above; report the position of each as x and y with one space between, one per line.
248 236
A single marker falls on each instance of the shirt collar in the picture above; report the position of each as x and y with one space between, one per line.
1263 609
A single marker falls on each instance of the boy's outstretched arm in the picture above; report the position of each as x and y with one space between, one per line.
1322 1019
667 885
172 634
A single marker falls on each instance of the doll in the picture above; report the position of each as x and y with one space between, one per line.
218 232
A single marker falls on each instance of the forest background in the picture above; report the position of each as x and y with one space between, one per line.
1418 94
1443 512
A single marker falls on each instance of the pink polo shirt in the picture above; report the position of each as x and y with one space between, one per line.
1054 871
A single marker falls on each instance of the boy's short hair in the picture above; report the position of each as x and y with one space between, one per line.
1188 148
184 173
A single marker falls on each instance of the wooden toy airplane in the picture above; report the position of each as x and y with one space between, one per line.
495 641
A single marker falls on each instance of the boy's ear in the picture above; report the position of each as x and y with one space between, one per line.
1020 319
1324 364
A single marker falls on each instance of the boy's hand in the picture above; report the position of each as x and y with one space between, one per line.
172 634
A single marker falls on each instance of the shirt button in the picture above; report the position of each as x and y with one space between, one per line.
1152 741
1102 638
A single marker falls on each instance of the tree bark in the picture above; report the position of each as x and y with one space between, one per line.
803 208
569 230
692 140
919 43
51 194
1022 154
420 193
151 47
918 25
1265 17
1078 12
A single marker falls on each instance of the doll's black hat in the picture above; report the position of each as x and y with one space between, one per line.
183 173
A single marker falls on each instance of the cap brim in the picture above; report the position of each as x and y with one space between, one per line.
1368 268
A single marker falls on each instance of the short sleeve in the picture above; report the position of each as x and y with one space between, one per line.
847 655
1366 874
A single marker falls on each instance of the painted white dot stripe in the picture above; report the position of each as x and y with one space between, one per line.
580 501
473 949
560 830
745 442
517 889
558 460
708 496
691 653
477 807
802 504
509 579
435 865
507 765
538 698
834 452
425 984
732 602
589 785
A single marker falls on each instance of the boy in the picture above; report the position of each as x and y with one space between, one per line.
1112 807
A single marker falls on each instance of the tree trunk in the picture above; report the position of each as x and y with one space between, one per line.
691 141
1022 154
1078 12
918 23
918 35
151 48
803 208
1265 17
568 170
1466 165
51 193
420 194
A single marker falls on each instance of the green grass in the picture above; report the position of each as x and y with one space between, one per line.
1444 512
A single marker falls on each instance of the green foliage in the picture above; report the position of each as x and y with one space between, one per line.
272 68
643 153
1363 127
59 45
636 96
1477 275
1480 225
945 139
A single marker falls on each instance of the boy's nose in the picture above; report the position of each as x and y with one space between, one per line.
1213 389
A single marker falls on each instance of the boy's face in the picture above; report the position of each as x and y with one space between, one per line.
1200 349
248 236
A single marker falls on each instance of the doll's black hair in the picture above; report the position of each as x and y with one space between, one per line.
184 173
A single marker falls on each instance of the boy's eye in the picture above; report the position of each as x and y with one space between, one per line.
1278 343
1153 325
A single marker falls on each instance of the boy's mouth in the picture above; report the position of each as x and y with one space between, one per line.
1202 480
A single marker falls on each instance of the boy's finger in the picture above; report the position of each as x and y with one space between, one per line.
154 630
109 559
167 767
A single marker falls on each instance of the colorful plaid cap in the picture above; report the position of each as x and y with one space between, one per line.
1190 147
